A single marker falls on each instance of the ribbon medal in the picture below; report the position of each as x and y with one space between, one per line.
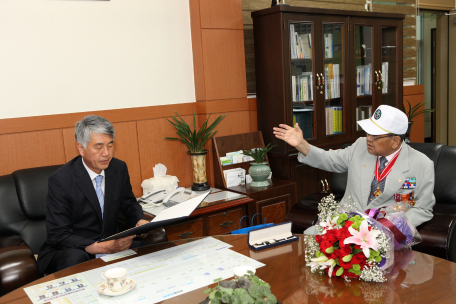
410 183
408 198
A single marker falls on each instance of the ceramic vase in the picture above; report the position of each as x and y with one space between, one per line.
199 171
259 174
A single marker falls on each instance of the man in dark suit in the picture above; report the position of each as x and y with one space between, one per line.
84 198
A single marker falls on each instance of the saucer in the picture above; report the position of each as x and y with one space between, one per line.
104 289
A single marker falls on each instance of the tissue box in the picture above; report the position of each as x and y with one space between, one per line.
238 158
234 177
271 236
225 161
230 154
167 182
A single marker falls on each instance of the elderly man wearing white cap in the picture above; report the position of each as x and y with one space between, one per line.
381 167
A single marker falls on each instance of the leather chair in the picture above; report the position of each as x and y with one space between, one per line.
439 234
23 225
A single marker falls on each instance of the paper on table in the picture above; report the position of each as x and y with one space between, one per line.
117 255
180 210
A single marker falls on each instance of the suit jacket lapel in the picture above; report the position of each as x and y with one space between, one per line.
86 186
367 173
110 174
395 179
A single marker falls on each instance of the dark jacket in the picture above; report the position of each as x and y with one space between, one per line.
73 215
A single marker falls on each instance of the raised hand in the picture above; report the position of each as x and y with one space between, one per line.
293 137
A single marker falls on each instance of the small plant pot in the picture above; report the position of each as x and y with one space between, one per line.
199 171
259 174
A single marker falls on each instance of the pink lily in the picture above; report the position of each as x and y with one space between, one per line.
364 238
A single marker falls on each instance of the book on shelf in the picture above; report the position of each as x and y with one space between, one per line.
301 41
334 119
362 112
332 81
363 80
305 122
328 37
302 87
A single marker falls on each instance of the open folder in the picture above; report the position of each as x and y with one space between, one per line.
164 218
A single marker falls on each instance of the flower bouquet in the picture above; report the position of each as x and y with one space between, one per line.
350 244
393 217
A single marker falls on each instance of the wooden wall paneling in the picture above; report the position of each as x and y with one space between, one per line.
415 94
221 14
69 142
31 149
154 149
249 58
125 149
226 106
234 123
197 48
253 121
59 121
224 64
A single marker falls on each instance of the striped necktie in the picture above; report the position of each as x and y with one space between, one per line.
99 192
375 184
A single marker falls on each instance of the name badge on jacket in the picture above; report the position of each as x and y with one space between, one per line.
410 183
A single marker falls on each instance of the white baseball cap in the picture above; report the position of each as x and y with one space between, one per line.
386 119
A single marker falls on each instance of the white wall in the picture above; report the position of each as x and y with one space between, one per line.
60 56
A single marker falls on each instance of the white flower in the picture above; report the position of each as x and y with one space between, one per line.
329 224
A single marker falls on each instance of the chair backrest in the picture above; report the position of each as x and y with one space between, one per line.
339 180
445 175
23 204
430 150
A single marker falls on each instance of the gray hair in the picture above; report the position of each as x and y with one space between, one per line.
92 124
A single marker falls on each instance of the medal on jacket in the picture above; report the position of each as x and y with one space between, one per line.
384 172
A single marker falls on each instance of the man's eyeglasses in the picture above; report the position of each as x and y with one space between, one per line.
374 138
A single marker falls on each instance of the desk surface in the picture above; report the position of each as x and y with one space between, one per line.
423 279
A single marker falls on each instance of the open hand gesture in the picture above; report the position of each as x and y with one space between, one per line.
293 137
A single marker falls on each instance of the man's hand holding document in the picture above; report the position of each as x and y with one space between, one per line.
164 218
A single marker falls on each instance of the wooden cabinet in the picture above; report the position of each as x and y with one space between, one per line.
214 218
273 201
325 70
214 223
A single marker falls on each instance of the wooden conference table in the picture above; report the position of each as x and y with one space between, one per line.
422 278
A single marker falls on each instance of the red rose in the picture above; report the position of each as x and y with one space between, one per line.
336 254
348 224
346 250
325 245
357 247
342 234
358 258
345 265
319 239
331 236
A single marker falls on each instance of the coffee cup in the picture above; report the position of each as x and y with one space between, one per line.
115 277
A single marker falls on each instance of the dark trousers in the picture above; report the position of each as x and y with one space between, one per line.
69 257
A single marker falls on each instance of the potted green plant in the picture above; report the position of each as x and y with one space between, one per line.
196 140
259 171
248 289
413 112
